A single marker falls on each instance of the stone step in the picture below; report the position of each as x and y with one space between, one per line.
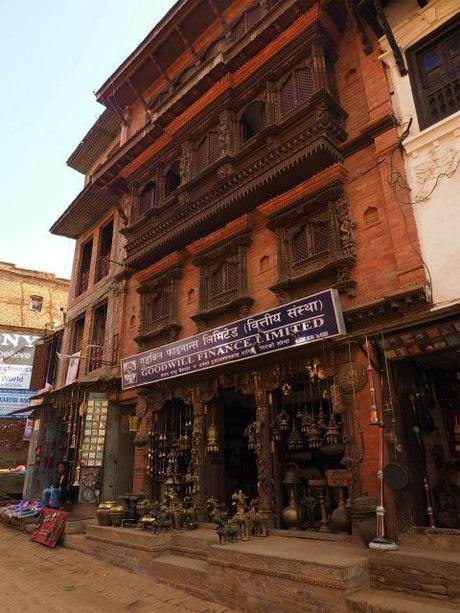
433 573
286 574
181 572
380 601
440 539
193 544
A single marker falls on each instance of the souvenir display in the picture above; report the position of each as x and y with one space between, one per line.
247 520
50 527
92 448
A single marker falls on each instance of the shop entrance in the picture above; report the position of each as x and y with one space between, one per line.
231 466
429 404
308 444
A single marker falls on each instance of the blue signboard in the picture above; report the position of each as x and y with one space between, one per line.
13 400
298 323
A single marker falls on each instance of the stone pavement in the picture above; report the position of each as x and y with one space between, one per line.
34 579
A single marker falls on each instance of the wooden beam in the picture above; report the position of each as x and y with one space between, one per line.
187 43
161 70
138 95
217 13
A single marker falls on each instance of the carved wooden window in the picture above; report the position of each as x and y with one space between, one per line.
208 150
245 23
158 310
146 199
157 307
296 89
173 178
319 247
311 240
434 67
225 278
252 120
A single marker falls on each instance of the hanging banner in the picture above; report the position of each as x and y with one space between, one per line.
298 323
72 369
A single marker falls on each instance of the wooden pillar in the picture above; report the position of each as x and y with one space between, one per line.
198 452
263 452
319 67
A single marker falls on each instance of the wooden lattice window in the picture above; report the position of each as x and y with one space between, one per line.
208 150
311 240
252 120
225 278
296 89
246 22
146 198
173 178
434 67
158 307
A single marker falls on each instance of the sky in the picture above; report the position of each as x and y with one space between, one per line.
54 55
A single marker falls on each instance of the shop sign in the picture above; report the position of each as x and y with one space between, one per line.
12 401
16 359
298 323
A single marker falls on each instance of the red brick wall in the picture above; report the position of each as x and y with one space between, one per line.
386 259
13 450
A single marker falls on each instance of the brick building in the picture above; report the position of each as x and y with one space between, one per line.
31 303
241 164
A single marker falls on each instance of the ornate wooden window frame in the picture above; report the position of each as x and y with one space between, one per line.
305 64
339 258
167 326
235 300
153 177
443 89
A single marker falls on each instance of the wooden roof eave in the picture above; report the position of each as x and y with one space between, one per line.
95 142
158 35
87 208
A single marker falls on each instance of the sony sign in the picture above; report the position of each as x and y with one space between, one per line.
16 359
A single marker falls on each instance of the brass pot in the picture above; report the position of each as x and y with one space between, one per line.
102 512
116 513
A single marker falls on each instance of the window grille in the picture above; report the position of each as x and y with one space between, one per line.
435 74
208 151
288 95
147 198
247 21
225 278
296 90
160 307
310 241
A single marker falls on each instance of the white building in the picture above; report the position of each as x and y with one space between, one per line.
427 99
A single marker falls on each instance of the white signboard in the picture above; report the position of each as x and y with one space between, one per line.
16 359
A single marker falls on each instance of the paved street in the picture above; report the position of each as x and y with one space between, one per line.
34 578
